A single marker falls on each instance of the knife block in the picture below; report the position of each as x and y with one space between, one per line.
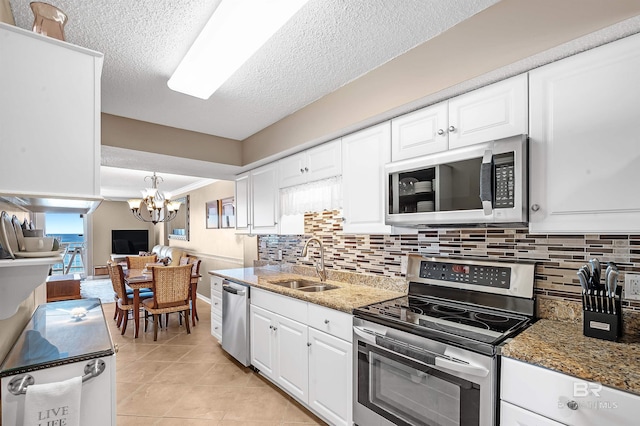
602 325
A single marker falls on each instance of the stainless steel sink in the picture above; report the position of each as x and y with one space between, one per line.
304 285
315 288
295 284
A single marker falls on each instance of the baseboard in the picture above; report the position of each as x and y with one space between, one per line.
204 298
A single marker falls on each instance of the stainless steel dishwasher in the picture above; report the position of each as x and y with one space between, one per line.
235 321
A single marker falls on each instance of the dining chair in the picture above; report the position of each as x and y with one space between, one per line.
124 302
139 262
193 288
170 294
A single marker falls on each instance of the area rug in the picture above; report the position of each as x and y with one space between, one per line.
100 288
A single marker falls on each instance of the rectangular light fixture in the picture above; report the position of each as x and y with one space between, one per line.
235 31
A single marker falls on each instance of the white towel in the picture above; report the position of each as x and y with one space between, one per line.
53 403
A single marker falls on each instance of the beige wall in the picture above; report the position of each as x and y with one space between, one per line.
137 135
108 216
505 33
218 248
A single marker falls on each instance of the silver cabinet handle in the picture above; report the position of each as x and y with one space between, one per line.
306 169
440 132
452 129
535 207
308 343
301 170
326 321
572 405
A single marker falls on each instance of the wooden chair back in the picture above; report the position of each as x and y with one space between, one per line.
171 286
138 262
117 280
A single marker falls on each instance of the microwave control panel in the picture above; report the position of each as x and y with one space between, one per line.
488 276
504 181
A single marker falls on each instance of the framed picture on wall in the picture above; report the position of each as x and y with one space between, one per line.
213 214
227 213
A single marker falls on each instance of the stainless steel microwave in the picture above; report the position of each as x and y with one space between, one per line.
481 185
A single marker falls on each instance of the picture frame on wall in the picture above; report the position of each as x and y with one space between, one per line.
227 213
213 214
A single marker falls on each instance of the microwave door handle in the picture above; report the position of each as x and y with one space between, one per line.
486 183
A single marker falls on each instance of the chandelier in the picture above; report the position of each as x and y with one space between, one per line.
158 208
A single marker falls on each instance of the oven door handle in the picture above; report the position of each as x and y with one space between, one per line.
367 335
474 370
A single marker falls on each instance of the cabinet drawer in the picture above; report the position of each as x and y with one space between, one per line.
336 323
283 305
216 327
216 304
564 398
510 415
216 285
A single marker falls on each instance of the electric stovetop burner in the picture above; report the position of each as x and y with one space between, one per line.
469 303
470 322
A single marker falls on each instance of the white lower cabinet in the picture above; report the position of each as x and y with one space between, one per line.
538 396
330 379
216 307
314 366
511 415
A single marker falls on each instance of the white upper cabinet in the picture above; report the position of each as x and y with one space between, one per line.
364 155
585 142
317 163
493 112
420 132
257 201
49 116
243 204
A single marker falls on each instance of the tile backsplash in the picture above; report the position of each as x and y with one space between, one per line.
557 257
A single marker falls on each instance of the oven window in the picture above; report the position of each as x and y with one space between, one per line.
409 393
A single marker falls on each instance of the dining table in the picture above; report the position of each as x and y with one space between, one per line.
138 279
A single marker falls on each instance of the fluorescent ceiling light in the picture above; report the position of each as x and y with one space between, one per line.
235 31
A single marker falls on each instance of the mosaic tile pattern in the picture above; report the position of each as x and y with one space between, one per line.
558 256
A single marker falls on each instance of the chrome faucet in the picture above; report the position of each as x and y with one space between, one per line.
321 271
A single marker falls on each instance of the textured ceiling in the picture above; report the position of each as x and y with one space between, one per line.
326 45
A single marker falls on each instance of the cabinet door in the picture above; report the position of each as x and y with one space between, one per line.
242 203
292 363
584 142
264 197
511 415
292 170
364 155
324 161
262 341
49 116
330 377
492 112
419 133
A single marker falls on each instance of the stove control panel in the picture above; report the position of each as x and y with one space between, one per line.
483 275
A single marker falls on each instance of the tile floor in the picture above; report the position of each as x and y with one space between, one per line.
189 380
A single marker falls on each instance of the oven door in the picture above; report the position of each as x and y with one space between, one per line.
401 381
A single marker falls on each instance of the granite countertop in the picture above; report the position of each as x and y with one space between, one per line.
348 296
561 346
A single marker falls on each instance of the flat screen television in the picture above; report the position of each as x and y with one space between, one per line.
129 241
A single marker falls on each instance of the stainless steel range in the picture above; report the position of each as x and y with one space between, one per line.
430 358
